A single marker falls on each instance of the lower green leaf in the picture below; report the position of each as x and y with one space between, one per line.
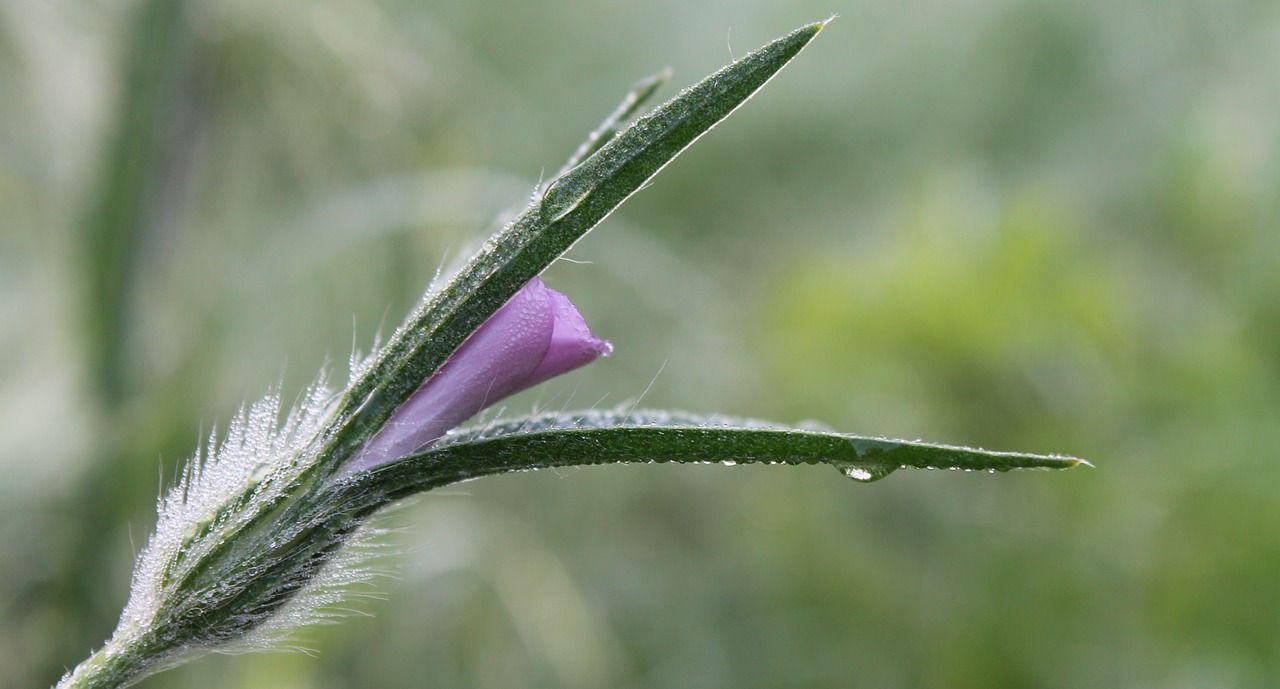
540 442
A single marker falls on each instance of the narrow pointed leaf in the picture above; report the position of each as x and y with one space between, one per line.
647 437
571 205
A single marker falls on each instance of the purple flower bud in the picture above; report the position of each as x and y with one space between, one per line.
534 337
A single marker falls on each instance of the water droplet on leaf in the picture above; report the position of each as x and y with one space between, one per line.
866 473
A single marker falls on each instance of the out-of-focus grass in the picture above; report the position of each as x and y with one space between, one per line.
1028 225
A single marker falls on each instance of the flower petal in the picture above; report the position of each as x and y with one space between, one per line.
535 336
572 344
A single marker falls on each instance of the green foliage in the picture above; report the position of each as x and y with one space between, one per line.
1089 184
255 539
648 437
569 207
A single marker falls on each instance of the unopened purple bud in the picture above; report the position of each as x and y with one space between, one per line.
534 337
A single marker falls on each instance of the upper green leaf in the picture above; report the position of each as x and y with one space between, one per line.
571 205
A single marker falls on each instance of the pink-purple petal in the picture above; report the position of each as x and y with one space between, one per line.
535 336
572 344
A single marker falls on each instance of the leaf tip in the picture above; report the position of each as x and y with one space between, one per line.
801 36
1066 462
646 87
811 30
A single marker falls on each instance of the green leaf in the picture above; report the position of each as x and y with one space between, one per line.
572 204
541 442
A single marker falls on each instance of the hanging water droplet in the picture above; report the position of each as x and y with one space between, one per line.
866 473
729 463
858 473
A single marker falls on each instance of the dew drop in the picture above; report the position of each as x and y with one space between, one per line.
858 473
866 473
729 463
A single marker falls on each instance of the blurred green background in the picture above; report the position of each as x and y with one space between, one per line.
1020 224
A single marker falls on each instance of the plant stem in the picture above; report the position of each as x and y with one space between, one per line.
115 665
